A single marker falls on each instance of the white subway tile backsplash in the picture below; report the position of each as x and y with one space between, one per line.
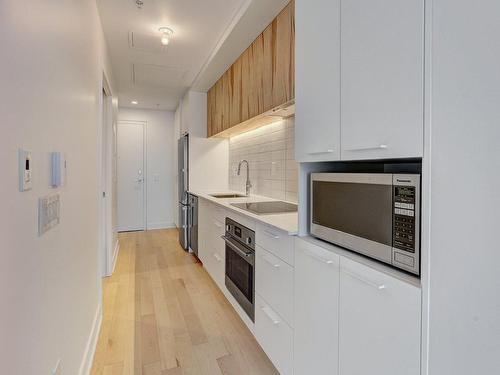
270 153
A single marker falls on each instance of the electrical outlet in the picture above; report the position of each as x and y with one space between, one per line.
57 368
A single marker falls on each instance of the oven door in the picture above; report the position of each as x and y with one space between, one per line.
354 210
240 276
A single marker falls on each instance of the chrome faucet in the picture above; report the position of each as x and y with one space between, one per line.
248 183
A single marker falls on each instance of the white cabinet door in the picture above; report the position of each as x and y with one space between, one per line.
382 78
379 326
204 237
274 282
317 80
316 310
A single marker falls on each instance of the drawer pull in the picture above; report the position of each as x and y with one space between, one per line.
379 147
363 280
267 260
329 151
270 234
270 314
217 224
217 257
318 258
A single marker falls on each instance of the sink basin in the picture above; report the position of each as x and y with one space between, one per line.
227 195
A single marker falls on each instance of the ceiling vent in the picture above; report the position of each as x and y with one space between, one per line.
145 42
160 76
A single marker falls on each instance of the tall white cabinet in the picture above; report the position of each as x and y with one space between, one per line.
317 80
382 54
359 79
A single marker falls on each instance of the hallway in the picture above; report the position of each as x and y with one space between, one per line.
164 315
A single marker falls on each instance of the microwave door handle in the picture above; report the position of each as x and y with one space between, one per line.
363 280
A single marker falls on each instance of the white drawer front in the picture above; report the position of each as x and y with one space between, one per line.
274 282
275 241
274 335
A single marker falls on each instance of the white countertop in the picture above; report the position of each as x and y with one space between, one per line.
287 222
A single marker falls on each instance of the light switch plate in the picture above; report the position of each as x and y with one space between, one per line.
25 170
58 161
48 213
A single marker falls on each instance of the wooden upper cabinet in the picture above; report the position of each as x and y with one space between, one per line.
262 78
283 65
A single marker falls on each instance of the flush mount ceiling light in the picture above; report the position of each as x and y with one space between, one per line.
134 102
166 34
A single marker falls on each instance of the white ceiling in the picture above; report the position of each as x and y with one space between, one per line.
208 36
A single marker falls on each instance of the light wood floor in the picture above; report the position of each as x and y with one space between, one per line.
163 315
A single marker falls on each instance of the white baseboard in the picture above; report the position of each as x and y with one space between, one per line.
88 355
115 256
160 225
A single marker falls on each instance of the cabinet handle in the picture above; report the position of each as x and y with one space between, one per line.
329 151
217 224
270 314
379 147
217 257
318 258
270 234
363 280
267 260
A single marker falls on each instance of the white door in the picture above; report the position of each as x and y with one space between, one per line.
379 327
382 64
316 310
131 191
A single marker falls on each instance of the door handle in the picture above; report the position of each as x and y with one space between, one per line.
270 314
328 151
318 258
269 261
363 280
379 147
270 234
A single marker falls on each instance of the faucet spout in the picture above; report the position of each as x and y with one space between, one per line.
248 184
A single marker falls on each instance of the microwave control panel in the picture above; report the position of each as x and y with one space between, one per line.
404 218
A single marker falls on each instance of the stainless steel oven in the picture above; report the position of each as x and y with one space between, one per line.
240 265
377 215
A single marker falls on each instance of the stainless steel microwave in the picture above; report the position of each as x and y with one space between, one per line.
377 215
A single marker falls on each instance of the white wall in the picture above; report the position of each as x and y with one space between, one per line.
161 148
462 147
51 81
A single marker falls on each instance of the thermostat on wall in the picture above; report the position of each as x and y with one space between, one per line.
25 167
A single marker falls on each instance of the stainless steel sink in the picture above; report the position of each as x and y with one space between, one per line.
228 195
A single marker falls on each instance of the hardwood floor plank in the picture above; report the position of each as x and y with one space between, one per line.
164 315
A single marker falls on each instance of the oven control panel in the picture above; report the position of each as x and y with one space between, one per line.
240 233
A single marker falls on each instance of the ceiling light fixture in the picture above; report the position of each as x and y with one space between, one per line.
166 34
134 102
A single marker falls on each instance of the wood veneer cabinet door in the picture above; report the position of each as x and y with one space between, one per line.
283 67
219 105
267 68
235 83
226 99
246 84
211 111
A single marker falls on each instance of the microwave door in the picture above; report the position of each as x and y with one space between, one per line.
354 211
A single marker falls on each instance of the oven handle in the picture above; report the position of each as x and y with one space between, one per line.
240 252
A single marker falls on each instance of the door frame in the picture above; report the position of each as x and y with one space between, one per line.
145 167
108 250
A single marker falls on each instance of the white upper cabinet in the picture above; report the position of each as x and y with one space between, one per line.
316 310
317 80
380 322
382 62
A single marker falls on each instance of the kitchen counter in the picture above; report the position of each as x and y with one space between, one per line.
287 222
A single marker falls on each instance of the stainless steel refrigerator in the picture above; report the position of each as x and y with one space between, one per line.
184 207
